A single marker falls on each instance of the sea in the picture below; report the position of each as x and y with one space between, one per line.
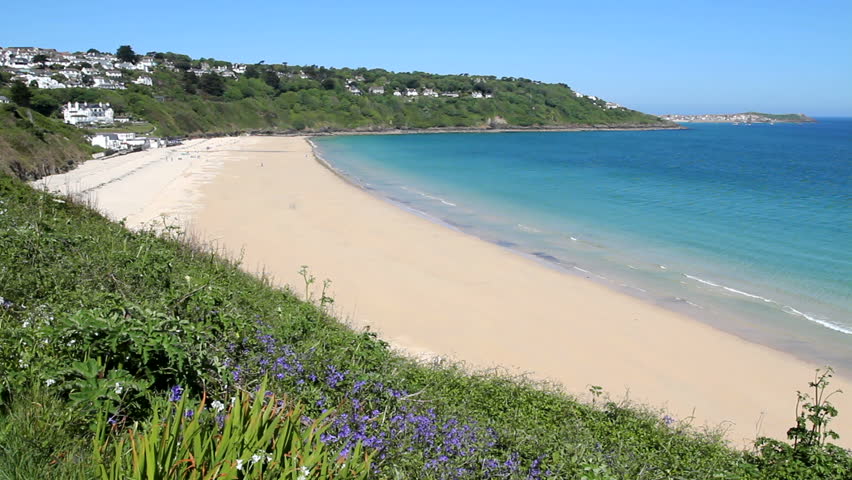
745 227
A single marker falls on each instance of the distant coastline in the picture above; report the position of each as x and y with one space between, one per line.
745 117
411 131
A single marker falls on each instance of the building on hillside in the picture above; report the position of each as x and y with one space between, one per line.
428 92
354 90
107 141
124 141
113 73
397 93
4 99
107 84
41 81
144 81
450 94
377 90
87 113
411 92
476 94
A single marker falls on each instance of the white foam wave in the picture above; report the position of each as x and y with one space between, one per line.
785 308
732 290
525 228
431 197
574 238
825 323
582 269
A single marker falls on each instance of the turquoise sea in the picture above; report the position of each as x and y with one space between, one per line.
746 227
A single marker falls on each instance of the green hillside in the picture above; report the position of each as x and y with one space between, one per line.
785 117
211 97
32 145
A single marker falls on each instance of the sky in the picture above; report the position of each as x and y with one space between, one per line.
685 56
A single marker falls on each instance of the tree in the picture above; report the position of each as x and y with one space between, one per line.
126 54
271 78
252 72
40 58
21 94
329 83
93 50
212 84
190 82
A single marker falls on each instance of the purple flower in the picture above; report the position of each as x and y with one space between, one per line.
668 420
189 414
176 393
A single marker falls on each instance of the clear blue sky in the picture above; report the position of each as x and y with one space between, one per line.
685 56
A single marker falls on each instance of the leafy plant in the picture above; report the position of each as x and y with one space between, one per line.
257 437
810 456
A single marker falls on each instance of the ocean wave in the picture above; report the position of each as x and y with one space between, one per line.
732 290
431 197
784 308
825 323
528 229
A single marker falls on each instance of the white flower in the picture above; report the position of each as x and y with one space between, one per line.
22 363
49 382
268 457
217 406
26 324
255 458
240 464
118 388
304 473
71 342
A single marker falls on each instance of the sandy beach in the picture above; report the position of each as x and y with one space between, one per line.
434 291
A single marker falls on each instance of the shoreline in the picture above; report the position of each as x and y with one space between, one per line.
437 291
741 326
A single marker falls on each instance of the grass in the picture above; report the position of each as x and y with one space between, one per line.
140 128
101 323
33 145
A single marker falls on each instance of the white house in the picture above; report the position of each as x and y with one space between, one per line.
377 90
107 84
428 92
107 141
450 94
476 94
397 93
4 99
113 73
354 90
85 113
411 92
41 81
144 81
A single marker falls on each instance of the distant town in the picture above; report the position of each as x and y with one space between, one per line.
740 118
47 68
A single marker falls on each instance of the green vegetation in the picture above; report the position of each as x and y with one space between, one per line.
121 353
785 117
140 128
32 145
190 97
